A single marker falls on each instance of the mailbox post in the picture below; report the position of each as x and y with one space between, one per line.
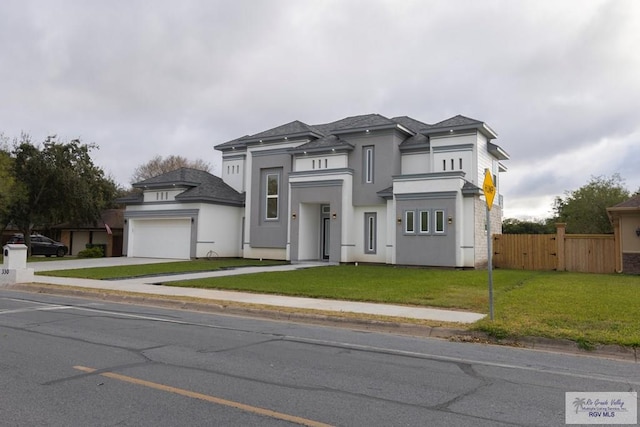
14 265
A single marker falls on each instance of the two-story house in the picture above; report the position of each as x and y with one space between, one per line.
361 189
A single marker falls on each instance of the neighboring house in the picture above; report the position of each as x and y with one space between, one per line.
183 214
626 227
361 189
107 232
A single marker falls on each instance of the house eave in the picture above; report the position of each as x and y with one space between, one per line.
497 151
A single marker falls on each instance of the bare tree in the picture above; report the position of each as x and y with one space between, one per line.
159 165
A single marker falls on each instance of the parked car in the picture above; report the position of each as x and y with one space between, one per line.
42 245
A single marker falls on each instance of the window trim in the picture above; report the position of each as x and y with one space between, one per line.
442 213
268 197
428 222
412 222
370 232
368 163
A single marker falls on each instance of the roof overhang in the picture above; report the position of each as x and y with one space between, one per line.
483 128
497 151
367 129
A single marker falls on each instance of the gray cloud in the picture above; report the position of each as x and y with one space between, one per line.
558 81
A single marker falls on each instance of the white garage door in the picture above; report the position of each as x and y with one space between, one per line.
161 238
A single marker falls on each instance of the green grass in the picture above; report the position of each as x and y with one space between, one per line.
586 308
589 309
119 272
463 289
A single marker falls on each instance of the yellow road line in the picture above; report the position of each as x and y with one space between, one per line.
207 398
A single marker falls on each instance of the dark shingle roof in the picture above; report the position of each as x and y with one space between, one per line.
417 140
358 123
411 124
633 202
459 122
324 143
202 186
294 128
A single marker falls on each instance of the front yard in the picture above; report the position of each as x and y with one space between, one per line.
586 308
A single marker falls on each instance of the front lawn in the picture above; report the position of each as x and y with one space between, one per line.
140 270
586 308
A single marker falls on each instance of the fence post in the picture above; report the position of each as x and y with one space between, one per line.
560 239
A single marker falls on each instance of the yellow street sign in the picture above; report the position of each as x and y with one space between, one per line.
489 188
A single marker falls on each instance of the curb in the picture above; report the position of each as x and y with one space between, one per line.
336 319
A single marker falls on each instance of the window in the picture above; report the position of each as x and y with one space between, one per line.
273 190
313 164
452 164
439 222
370 232
368 164
409 222
444 164
460 160
326 163
424 222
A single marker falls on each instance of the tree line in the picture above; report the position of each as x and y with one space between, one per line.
583 210
50 183
55 182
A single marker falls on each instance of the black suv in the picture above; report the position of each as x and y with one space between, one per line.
42 245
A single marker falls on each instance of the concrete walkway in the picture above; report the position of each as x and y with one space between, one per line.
147 285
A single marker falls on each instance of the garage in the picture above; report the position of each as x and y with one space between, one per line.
160 238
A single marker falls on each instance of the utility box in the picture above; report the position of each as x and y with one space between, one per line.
15 256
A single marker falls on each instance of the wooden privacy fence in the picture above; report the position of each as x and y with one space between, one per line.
587 253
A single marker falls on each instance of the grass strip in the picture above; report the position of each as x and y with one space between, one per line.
141 270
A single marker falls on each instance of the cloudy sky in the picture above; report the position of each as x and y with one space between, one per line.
558 80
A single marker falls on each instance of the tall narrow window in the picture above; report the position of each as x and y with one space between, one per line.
424 222
439 222
326 162
409 222
273 190
460 160
452 164
370 232
444 164
368 164
313 164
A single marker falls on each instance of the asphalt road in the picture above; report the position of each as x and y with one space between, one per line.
78 362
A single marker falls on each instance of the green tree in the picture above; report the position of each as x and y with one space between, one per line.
516 226
7 182
585 209
159 165
55 183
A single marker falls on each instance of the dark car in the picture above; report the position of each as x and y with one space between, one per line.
42 245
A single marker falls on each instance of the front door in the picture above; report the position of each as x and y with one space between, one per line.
326 225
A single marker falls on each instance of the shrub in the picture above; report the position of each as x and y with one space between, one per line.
94 252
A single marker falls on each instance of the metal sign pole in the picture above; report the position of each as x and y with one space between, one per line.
490 263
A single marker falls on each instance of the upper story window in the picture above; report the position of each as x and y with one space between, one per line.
368 154
272 195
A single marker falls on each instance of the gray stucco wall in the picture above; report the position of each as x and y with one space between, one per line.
269 233
328 192
386 164
430 249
